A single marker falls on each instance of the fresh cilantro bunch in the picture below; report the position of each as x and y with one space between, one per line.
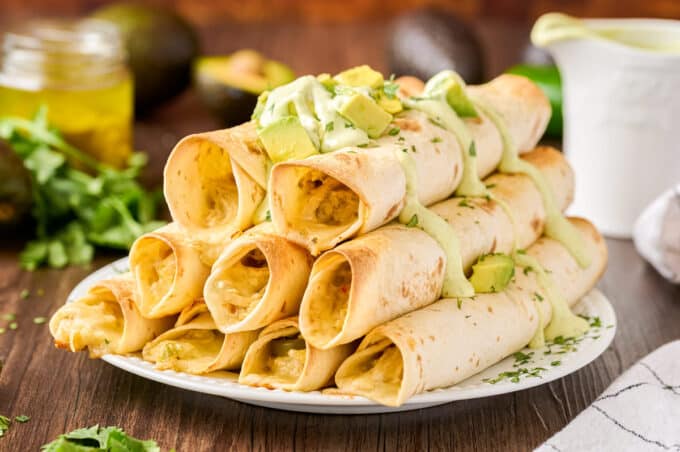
99 439
76 210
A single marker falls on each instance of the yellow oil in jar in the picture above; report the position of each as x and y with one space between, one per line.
96 121
77 70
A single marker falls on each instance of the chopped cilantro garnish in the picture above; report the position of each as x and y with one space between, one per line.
413 148
102 439
22 418
39 320
527 270
390 88
24 294
4 425
490 186
556 363
329 127
413 222
463 203
13 326
473 149
436 140
538 296
459 302
394 131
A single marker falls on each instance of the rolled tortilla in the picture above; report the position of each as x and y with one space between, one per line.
395 269
196 346
214 181
320 201
259 278
405 356
169 269
106 320
280 358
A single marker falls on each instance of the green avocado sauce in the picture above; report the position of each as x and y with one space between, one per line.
556 225
414 214
563 322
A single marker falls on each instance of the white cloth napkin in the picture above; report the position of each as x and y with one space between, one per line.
639 412
657 234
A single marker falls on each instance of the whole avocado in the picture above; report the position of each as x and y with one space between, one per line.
15 188
428 41
161 47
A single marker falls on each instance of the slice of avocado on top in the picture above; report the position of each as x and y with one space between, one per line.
286 139
492 273
366 114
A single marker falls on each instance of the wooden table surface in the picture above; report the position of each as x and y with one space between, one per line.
63 391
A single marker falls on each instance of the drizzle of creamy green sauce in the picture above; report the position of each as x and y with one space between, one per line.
434 104
563 322
317 110
455 282
556 225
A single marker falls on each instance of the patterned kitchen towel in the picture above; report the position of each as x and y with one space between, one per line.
657 234
639 412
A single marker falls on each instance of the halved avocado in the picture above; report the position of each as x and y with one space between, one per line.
229 85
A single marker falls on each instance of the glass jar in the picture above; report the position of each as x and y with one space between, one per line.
77 68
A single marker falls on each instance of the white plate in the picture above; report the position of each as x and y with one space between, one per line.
592 345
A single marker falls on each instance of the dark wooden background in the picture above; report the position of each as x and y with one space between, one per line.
206 12
63 391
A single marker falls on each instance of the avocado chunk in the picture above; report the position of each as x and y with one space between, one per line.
459 101
492 273
161 46
286 139
230 85
391 106
365 114
361 76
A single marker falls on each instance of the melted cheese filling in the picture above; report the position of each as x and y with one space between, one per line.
324 200
191 351
218 191
377 372
156 270
281 360
95 322
329 298
242 285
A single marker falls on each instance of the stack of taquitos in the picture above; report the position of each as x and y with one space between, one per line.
380 288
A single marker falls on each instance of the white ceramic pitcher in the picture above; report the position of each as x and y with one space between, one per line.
621 90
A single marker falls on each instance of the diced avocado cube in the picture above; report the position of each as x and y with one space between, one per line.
392 106
286 139
361 76
365 114
327 81
492 273
459 101
259 107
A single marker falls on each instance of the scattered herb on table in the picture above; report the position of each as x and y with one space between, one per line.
39 320
24 294
4 425
75 210
100 439
22 418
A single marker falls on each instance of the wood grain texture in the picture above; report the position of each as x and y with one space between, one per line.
63 391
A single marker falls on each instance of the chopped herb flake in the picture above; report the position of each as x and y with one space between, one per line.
555 363
473 150
538 296
9 317
394 131
330 126
436 140
459 302
490 186
13 326
463 203
413 148
39 320
268 216
24 294
413 222
22 418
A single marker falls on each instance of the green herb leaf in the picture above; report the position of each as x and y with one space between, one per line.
394 131
22 418
330 126
97 439
24 294
436 140
473 149
39 320
413 222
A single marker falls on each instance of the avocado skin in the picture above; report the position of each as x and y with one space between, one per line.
15 189
231 95
428 41
229 104
161 46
